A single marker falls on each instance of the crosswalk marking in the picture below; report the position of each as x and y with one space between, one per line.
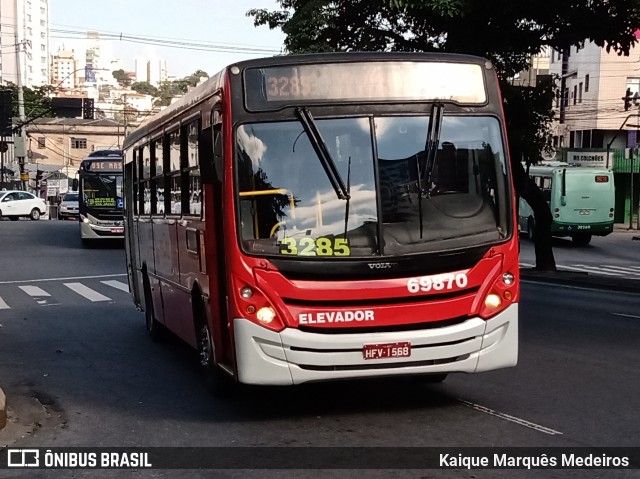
630 272
117 284
87 292
623 269
4 305
588 269
606 270
34 291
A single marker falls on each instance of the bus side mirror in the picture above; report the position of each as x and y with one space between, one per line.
74 184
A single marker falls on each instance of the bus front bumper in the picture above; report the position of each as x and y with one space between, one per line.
294 357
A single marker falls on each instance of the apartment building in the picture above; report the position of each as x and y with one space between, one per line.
24 27
591 121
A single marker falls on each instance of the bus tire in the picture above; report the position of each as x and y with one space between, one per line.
531 226
219 383
581 239
152 325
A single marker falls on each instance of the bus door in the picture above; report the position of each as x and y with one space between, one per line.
190 230
133 276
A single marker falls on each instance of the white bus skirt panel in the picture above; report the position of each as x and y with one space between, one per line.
294 357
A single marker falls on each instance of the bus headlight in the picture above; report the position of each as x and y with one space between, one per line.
492 301
266 315
254 305
84 219
500 295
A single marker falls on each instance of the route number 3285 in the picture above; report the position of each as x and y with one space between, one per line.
315 247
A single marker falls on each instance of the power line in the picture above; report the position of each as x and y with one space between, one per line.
163 41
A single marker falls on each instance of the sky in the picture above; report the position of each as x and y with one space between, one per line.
194 28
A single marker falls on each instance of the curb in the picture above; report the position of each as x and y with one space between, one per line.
3 410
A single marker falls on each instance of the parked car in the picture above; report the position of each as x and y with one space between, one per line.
68 207
14 204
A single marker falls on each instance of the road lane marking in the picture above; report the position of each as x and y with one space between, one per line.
626 315
117 284
34 291
4 305
507 417
63 279
88 293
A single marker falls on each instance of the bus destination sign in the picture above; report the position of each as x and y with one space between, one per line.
103 165
365 81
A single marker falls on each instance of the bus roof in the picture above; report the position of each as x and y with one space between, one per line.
212 85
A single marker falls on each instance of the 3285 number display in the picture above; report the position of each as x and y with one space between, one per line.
315 246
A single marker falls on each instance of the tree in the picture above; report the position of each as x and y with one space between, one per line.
121 77
169 90
145 88
504 31
37 100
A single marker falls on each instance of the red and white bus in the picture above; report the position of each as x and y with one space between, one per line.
330 216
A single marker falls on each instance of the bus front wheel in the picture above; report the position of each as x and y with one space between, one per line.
581 240
219 383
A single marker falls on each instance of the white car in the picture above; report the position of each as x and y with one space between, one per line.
14 204
68 208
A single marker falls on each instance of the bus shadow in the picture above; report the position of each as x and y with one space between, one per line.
310 400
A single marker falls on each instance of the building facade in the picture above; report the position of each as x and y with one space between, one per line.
591 119
24 28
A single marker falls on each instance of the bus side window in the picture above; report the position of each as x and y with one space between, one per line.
217 152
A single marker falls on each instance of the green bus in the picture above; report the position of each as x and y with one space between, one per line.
581 200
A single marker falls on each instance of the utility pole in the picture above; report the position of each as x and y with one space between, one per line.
20 150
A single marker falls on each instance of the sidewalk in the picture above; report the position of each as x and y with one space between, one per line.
588 280
624 228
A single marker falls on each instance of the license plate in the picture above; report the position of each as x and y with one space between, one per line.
388 350
117 230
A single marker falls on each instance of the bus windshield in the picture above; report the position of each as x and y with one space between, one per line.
289 205
102 191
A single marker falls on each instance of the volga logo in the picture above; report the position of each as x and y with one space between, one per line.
381 265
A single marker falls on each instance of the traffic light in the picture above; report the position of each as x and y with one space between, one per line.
87 108
627 99
6 112
66 107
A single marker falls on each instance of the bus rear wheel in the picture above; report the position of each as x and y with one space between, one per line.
151 323
582 239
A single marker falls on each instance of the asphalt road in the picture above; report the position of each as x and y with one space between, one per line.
79 371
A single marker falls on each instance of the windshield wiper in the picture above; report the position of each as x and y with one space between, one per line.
323 153
425 166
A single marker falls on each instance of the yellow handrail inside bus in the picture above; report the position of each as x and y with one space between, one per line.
274 191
